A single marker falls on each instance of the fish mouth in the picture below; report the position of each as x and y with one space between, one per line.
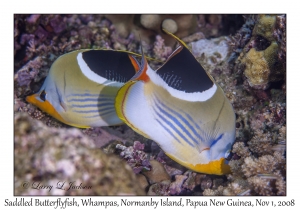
45 106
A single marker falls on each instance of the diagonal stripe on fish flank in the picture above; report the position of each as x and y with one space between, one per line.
91 107
184 126
207 134
192 120
175 121
86 111
89 99
89 102
102 112
185 122
162 125
216 140
88 95
97 105
109 113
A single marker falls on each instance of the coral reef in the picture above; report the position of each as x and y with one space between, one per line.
280 36
149 25
261 173
44 156
157 173
135 156
212 52
47 150
254 176
241 38
261 120
260 55
161 51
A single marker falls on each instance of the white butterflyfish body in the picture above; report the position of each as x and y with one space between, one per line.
180 107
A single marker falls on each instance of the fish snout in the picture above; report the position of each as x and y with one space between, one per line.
31 99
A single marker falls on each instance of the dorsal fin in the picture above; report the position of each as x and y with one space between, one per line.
135 63
138 55
141 74
175 37
183 72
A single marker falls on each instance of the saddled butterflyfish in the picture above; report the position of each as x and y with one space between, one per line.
181 108
81 86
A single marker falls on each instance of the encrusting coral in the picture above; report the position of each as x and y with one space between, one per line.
258 176
260 55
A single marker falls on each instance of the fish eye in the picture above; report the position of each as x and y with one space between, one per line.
43 95
227 154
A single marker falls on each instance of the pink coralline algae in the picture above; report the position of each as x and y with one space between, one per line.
33 18
160 50
41 33
135 156
29 72
58 25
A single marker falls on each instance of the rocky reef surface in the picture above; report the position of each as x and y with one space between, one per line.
67 160
246 55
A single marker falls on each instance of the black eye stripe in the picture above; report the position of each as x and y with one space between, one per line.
43 95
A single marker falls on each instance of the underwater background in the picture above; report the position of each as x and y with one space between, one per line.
245 54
